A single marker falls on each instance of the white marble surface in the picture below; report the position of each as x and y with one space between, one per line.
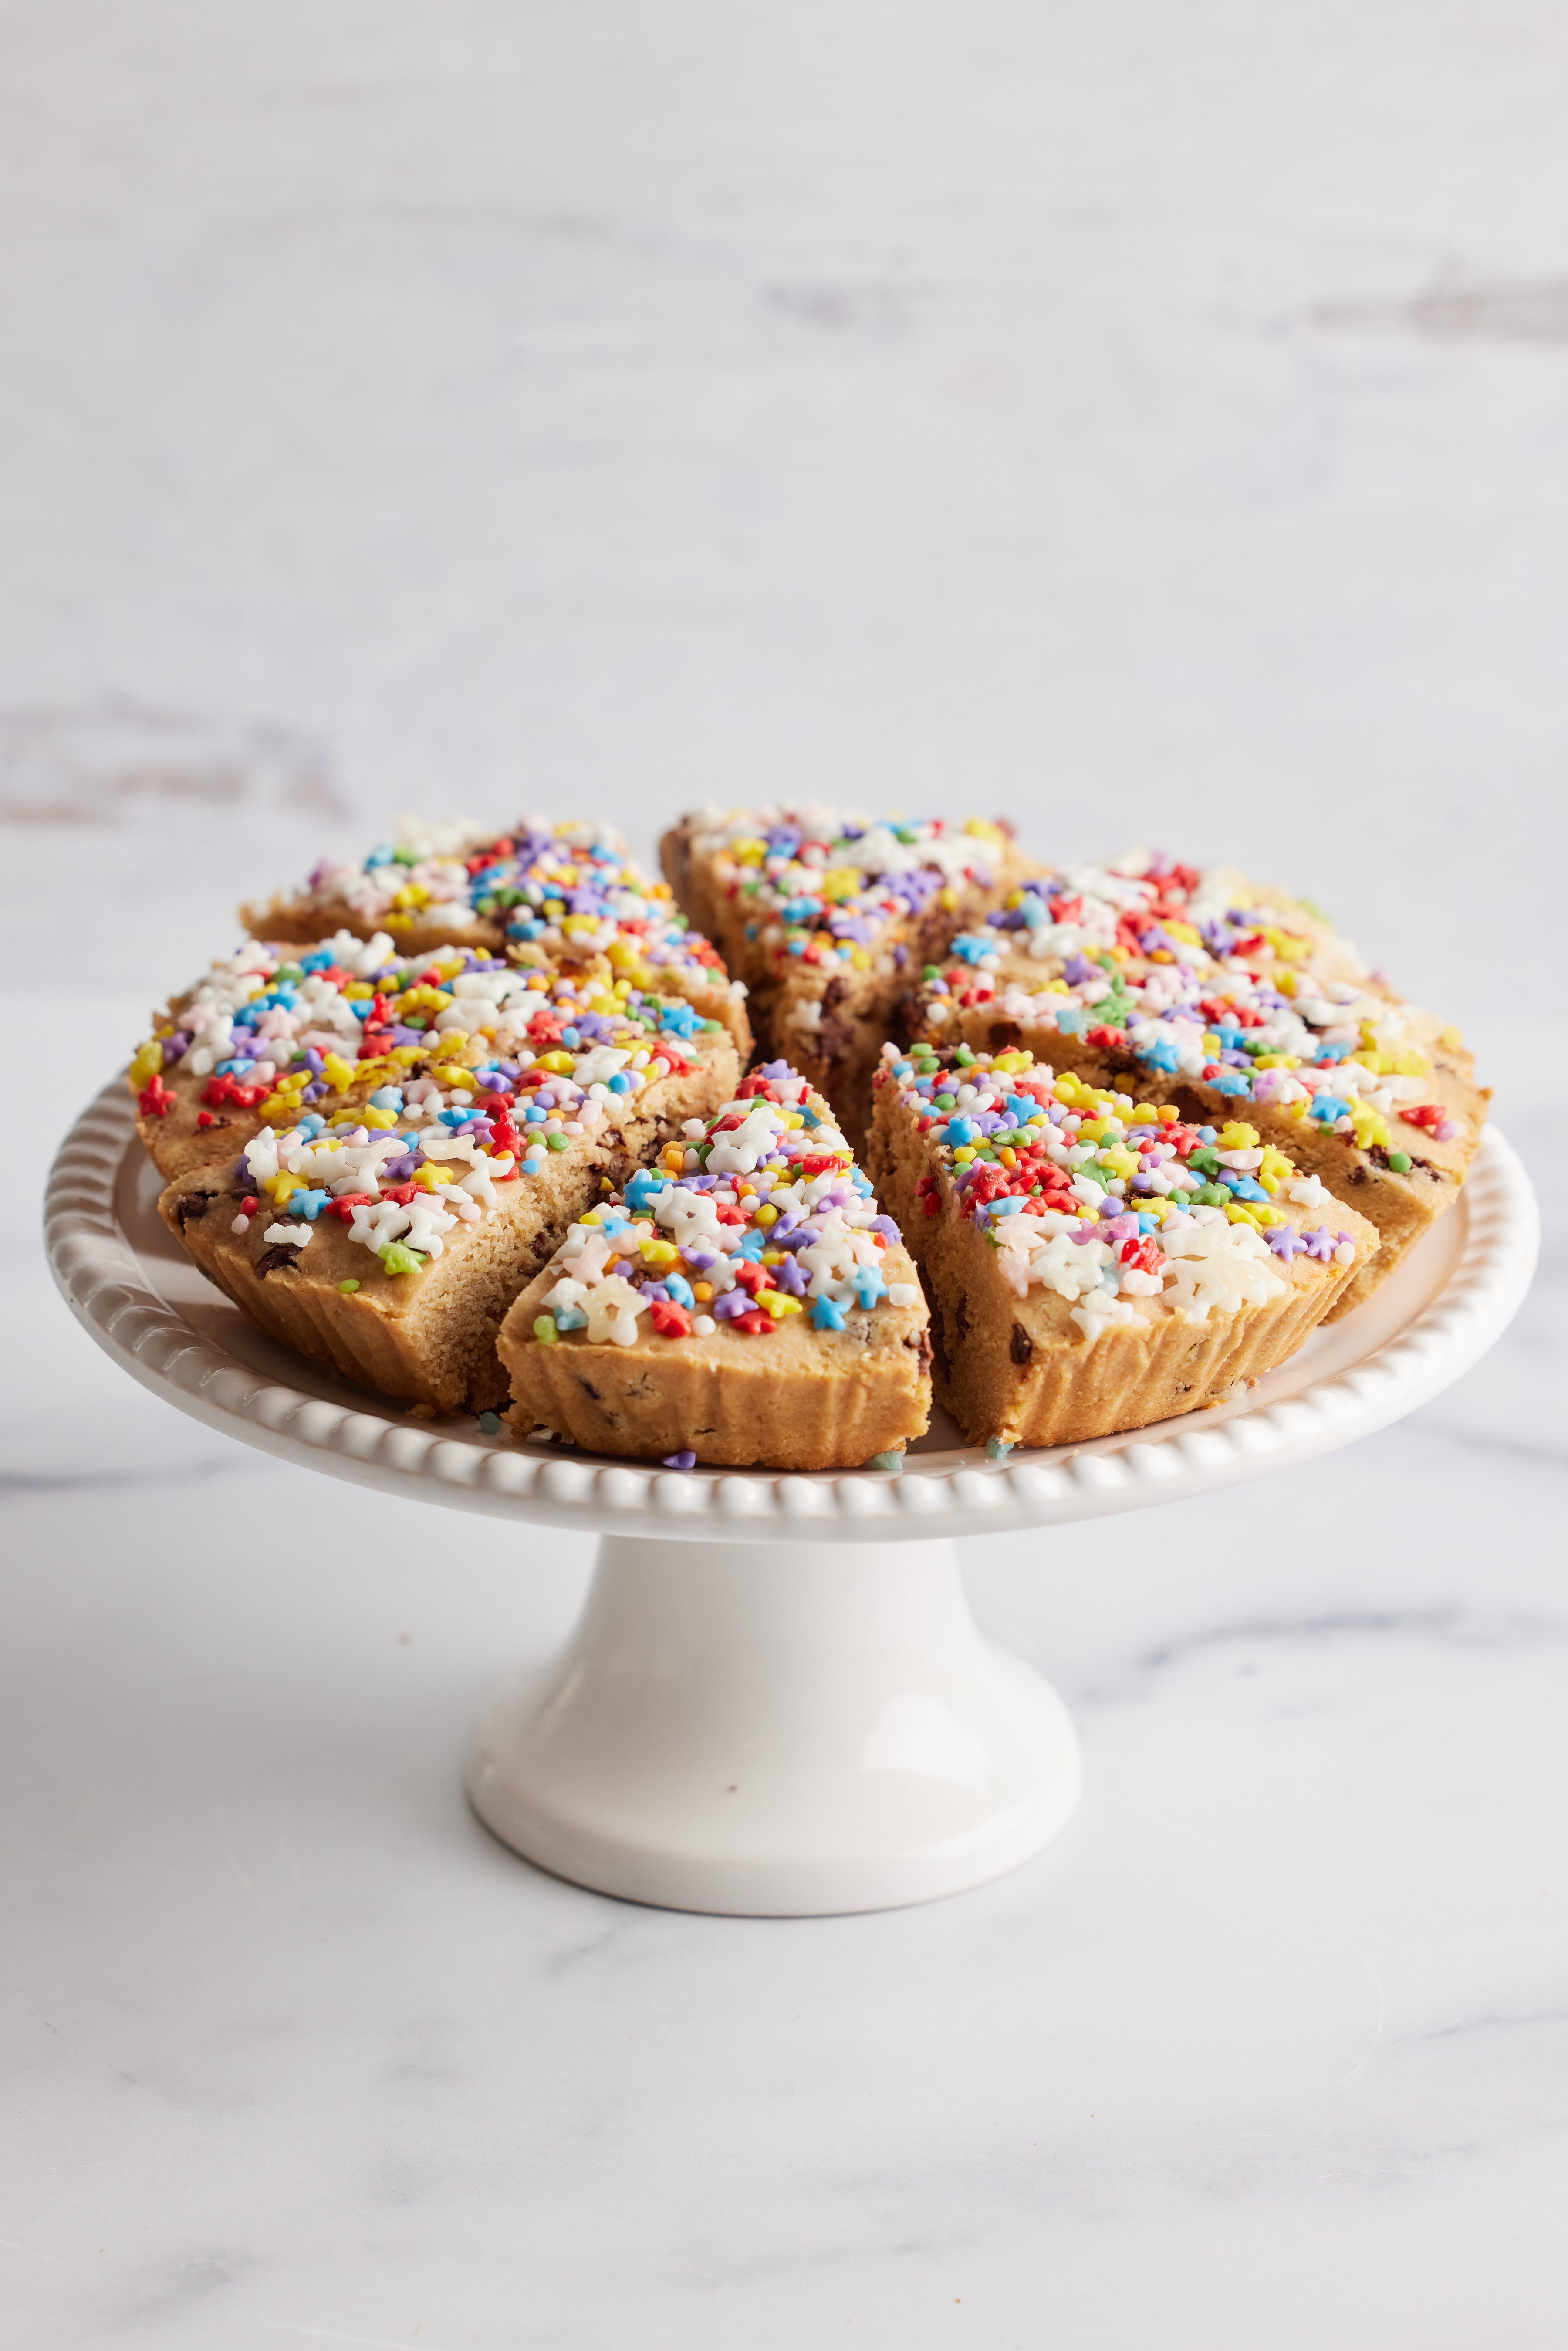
1149 422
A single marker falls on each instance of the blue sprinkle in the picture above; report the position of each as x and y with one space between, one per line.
644 1187
826 1316
490 1422
998 1447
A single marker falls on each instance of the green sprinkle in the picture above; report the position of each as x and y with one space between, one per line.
964 1057
348 1287
556 1141
545 1329
892 1462
932 971
490 1423
395 1259
1399 1161
998 1447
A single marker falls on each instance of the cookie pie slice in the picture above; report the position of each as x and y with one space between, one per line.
263 1035
1094 1263
741 1300
1235 1002
565 894
829 917
389 1241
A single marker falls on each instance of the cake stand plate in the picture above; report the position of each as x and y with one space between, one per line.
776 1702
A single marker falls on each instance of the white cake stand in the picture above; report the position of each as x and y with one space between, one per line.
776 1702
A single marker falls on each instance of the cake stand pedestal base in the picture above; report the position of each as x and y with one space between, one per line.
777 1731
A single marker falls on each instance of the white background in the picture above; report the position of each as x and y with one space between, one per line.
1150 422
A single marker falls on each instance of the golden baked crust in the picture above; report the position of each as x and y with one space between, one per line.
814 1354
1046 1334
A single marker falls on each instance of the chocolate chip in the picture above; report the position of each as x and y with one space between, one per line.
190 1205
1021 1346
961 1318
281 1257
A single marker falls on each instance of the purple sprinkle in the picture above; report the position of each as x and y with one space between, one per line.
680 1460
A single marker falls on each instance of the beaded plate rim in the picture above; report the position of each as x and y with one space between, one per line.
352 1434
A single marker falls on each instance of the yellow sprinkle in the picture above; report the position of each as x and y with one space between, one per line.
768 1215
338 1074
1370 1127
146 1062
1238 1136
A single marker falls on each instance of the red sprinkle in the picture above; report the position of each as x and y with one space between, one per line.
670 1320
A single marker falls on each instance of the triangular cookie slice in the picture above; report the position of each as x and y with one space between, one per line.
829 917
562 894
742 1300
389 1246
275 1033
1233 1001
1094 1263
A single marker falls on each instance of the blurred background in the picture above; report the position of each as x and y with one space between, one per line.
1149 422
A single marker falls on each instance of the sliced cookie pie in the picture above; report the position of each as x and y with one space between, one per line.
740 1300
1094 1263
1231 1001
